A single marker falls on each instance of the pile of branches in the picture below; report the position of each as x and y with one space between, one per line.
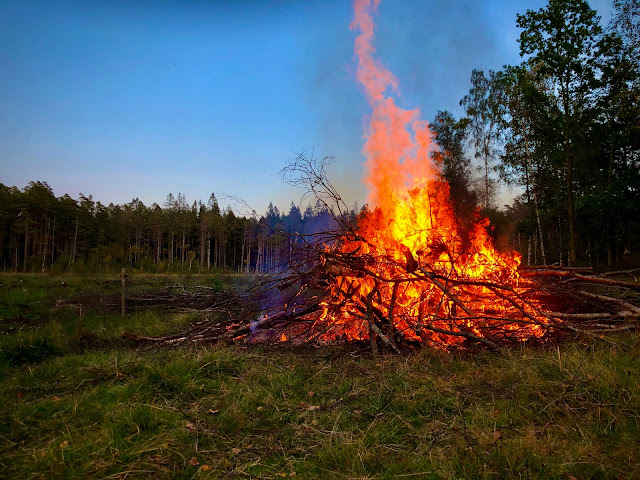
589 305
558 302
317 297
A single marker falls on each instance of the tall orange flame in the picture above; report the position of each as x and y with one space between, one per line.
404 184
398 142
432 282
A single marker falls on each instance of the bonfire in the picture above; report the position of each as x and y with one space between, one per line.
406 273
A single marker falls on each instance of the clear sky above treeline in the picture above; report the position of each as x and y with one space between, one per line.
139 98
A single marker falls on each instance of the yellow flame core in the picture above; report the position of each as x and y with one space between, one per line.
412 232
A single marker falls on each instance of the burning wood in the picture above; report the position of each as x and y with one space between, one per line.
406 273
356 284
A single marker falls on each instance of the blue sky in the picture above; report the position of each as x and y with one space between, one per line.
140 98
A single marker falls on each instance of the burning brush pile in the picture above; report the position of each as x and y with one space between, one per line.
406 274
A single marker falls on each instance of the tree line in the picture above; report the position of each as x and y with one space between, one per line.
564 125
40 232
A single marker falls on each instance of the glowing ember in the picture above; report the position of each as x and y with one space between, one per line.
429 280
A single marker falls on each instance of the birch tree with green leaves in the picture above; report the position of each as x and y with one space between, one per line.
483 106
560 43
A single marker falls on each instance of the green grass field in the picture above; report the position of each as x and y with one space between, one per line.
76 401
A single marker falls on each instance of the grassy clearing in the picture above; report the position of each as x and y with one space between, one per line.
76 401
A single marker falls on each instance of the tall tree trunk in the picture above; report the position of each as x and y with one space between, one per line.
569 178
202 246
248 261
26 243
46 244
182 247
535 200
215 250
159 247
259 258
571 212
609 180
223 251
561 240
137 255
486 181
235 240
72 260
53 242
244 241
16 262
